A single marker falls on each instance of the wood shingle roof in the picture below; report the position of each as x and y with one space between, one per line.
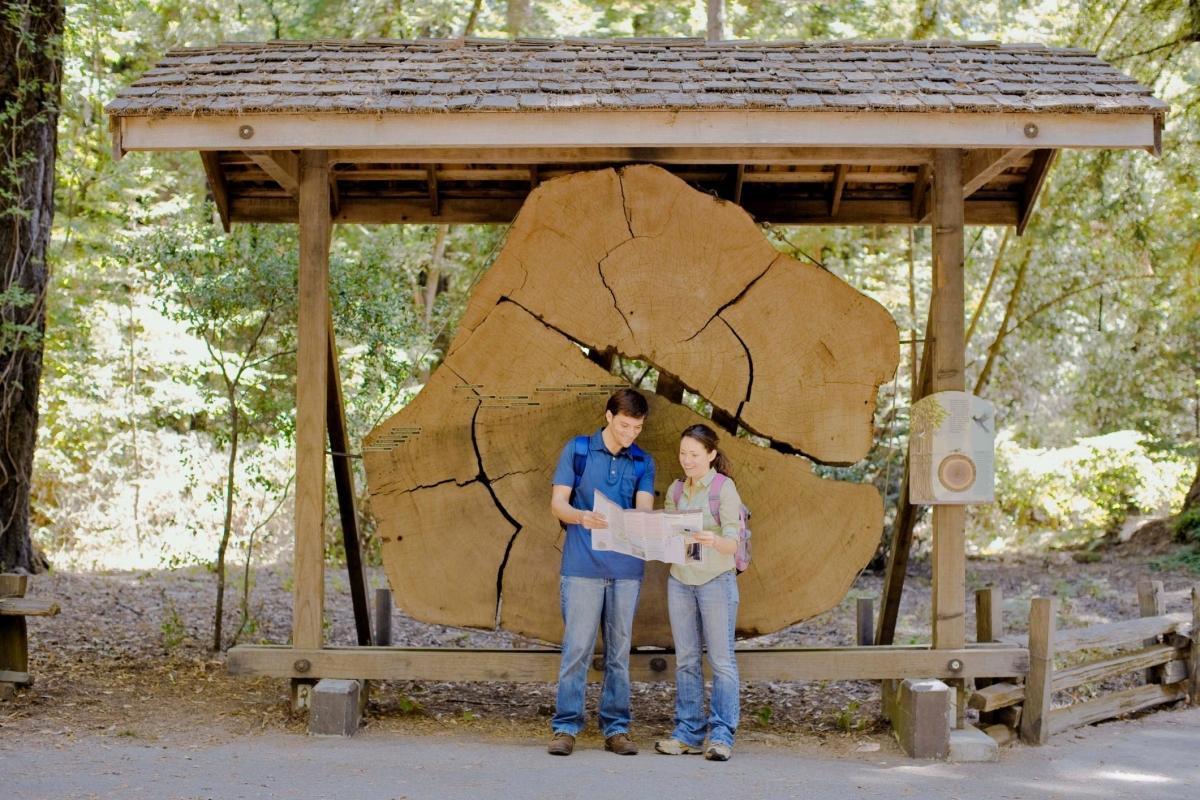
425 76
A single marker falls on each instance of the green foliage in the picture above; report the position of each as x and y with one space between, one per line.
763 715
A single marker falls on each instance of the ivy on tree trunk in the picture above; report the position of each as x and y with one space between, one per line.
30 81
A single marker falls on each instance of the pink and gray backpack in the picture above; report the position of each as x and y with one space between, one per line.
741 559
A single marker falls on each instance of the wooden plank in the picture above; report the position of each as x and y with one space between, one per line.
996 696
455 664
1106 668
28 607
20 678
1194 650
839 185
282 165
1035 178
980 167
12 585
1151 603
343 478
1113 705
644 128
764 156
949 522
739 179
1115 634
14 644
774 209
312 365
1035 728
920 193
217 185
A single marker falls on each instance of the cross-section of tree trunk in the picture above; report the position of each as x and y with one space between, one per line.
637 261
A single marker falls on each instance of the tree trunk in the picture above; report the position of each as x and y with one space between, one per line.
640 262
1192 500
227 528
30 83
716 20
516 17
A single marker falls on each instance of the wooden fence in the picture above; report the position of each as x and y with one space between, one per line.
1165 648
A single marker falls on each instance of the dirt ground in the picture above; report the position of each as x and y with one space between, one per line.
128 658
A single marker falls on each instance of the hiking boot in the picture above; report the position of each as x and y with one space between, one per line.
563 744
621 744
674 747
718 752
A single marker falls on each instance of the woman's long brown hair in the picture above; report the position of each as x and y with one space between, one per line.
707 438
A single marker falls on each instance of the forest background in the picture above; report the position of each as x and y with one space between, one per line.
167 395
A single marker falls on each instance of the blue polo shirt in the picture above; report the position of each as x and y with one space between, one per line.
614 476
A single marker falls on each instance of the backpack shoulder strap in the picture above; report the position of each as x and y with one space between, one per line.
676 491
714 496
581 454
640 459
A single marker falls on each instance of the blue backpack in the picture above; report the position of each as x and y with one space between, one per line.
638 455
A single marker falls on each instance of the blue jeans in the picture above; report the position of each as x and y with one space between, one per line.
585 603
704 614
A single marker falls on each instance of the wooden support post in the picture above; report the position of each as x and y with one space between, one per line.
1038 685
949 522
343 478
866 621
836 189
1152 602
1194 650
312 366
989 627
989 616
383 617
431 180
14 634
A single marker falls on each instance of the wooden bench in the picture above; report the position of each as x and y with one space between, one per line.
14 635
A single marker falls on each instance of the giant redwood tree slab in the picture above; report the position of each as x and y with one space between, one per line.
638 261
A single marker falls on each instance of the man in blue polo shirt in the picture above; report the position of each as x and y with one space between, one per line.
599 586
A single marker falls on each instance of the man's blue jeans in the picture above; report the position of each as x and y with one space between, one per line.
704 614
585 603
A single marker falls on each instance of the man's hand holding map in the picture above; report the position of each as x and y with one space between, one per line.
648 535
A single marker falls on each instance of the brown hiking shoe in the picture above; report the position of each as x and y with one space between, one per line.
621 744
563 744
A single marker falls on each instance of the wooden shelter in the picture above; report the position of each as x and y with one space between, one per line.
846 133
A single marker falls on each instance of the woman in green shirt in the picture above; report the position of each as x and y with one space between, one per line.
702 599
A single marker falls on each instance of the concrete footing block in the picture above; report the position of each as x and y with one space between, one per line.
920 718
334 708
969 744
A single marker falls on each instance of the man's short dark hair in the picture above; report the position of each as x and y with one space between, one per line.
629 402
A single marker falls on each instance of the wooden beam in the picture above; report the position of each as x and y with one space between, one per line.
920 195
781 211
343 478
642 128
1035 178
1152 602
1112 705
13 585
216 185
756 155
989 614
456 664
980 167
28 607
312 368
739 179
839 185
282 165
1094 671
949 522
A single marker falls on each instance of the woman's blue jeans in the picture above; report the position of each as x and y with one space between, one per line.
585 602
705 615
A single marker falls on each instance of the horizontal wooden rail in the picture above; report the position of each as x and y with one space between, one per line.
27 607
1114 705
1113 634
453 664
